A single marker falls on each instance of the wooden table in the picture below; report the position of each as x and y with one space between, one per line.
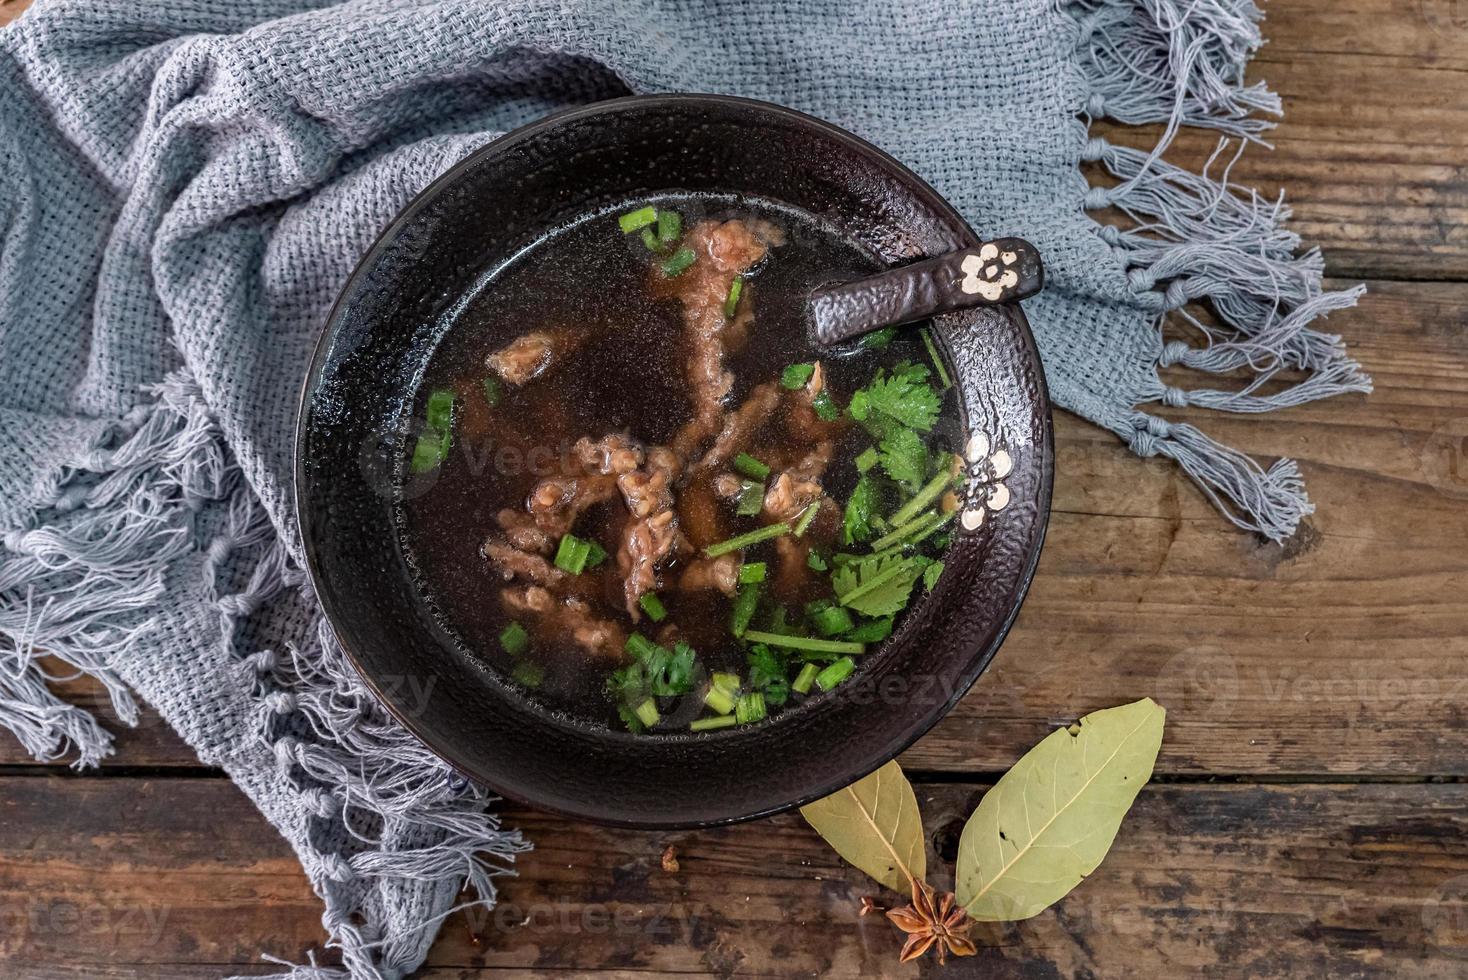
1309 815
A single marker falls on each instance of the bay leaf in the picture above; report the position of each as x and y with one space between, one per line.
1051 819
875 825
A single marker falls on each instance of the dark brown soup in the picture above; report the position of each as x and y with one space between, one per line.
635 487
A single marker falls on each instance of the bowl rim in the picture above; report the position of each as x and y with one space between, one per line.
422 199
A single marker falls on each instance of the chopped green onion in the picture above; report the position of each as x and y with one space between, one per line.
815 562
877 338
749 708
641 218
802 523
805 678
751 467
752 571
744 607
804 643
647 711
650 240
751 499
923 533
639 646
708 724
595 554
678 263
720 700
670 226
867 459
872 631
514 639
929 493
825 409
904 531
835 673
729 683
943 375
434 444
528 674
796 375
653 606
731 302
572 554
832 620
745 540
493 390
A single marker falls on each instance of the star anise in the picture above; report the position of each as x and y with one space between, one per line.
944 924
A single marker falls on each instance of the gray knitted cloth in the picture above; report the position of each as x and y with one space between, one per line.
185 184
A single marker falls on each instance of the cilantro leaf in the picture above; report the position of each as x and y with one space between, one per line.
877 588
857 524
905 458
901 397
930 575
796 375
768 673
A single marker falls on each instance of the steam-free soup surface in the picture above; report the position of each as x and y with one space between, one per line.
616 412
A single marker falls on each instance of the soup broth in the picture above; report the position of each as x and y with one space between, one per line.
638 490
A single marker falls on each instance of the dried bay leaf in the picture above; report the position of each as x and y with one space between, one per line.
1051 819
875 825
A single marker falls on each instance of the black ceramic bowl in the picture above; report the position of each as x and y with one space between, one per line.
354 418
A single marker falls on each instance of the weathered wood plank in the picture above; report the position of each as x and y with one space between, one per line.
177 877
1332 654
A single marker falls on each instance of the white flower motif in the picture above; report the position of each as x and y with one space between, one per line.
997 277
986 469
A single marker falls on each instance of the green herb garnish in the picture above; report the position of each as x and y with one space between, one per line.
528 674
745 540
929 493
768 674
653 606
805 678
878 587
434 444
932 346
832 620
514 639
493 391
856 524
835 673
815 562
751 499
796 375
709 724
647 710
752 571
677 263
744 607
808 643
731 302
904 457
867 459
748 466
641 218
902 397
750 708
930 575
573 553
873 630
720 700
595 554
824 407
650 240
807 516
670 227
877 339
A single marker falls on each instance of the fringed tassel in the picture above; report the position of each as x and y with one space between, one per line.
78 590
1269 502
1202 238
1175 61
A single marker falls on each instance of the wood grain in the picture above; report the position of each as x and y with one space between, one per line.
180 877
